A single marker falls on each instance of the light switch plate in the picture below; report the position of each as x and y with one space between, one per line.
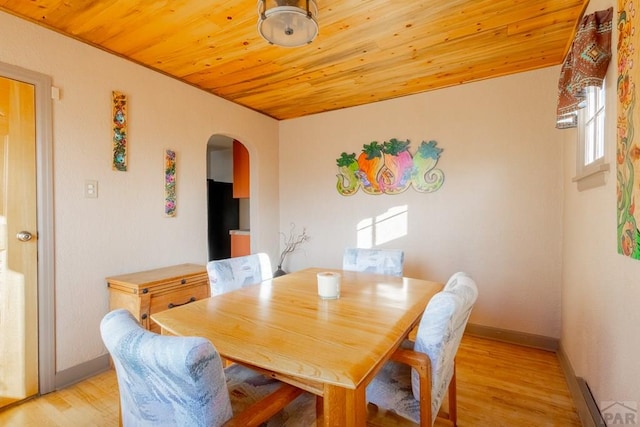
90 189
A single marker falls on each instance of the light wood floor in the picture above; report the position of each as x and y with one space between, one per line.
499 384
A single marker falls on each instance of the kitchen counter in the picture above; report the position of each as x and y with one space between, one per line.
240 242
240 232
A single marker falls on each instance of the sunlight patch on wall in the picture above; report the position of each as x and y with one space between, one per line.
384 228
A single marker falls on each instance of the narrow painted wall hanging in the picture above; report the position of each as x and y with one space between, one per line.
390 168
119 110
628 149
170 183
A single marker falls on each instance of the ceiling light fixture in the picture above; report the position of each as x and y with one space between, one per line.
288 23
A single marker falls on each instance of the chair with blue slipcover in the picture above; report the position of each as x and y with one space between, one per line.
233 273
413 383
452 283
179 381
380 261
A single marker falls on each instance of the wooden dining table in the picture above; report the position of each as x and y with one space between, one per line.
330 347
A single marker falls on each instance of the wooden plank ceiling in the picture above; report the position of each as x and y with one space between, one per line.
367 50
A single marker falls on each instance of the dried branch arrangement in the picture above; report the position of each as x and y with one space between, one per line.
291 243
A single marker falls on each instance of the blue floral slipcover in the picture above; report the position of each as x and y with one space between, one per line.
397 387
380 261
179 381
233 273
165 380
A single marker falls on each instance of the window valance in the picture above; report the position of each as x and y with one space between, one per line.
585 65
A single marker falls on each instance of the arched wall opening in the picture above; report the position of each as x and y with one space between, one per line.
228 198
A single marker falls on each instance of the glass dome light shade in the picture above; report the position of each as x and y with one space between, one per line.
286 23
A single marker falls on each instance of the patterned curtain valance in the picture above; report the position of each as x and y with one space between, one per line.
585 65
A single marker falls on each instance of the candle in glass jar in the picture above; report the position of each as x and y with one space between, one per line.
329 285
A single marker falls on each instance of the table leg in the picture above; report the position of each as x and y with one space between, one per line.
344 407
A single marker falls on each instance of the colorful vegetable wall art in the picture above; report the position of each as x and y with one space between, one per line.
628 149
389 168
170 183
119 110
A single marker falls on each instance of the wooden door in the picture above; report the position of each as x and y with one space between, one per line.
18 243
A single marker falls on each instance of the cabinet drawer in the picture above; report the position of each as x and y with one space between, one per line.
158 280
170 286
180 296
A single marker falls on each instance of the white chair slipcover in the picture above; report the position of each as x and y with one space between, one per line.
397 386
380 261
233 273
179 381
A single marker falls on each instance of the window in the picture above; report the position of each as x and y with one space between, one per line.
590 165
593 125
581 95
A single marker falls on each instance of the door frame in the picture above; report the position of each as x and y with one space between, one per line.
44 197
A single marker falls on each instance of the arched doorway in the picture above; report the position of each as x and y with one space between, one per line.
228 201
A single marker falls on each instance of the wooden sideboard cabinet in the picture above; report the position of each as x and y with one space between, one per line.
147 292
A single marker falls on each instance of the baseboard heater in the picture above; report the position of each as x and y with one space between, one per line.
596 416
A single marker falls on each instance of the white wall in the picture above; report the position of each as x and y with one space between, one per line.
601 290
221 165
497 216
124 229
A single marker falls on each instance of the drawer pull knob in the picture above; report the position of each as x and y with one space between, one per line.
171 305
144 316
183 281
